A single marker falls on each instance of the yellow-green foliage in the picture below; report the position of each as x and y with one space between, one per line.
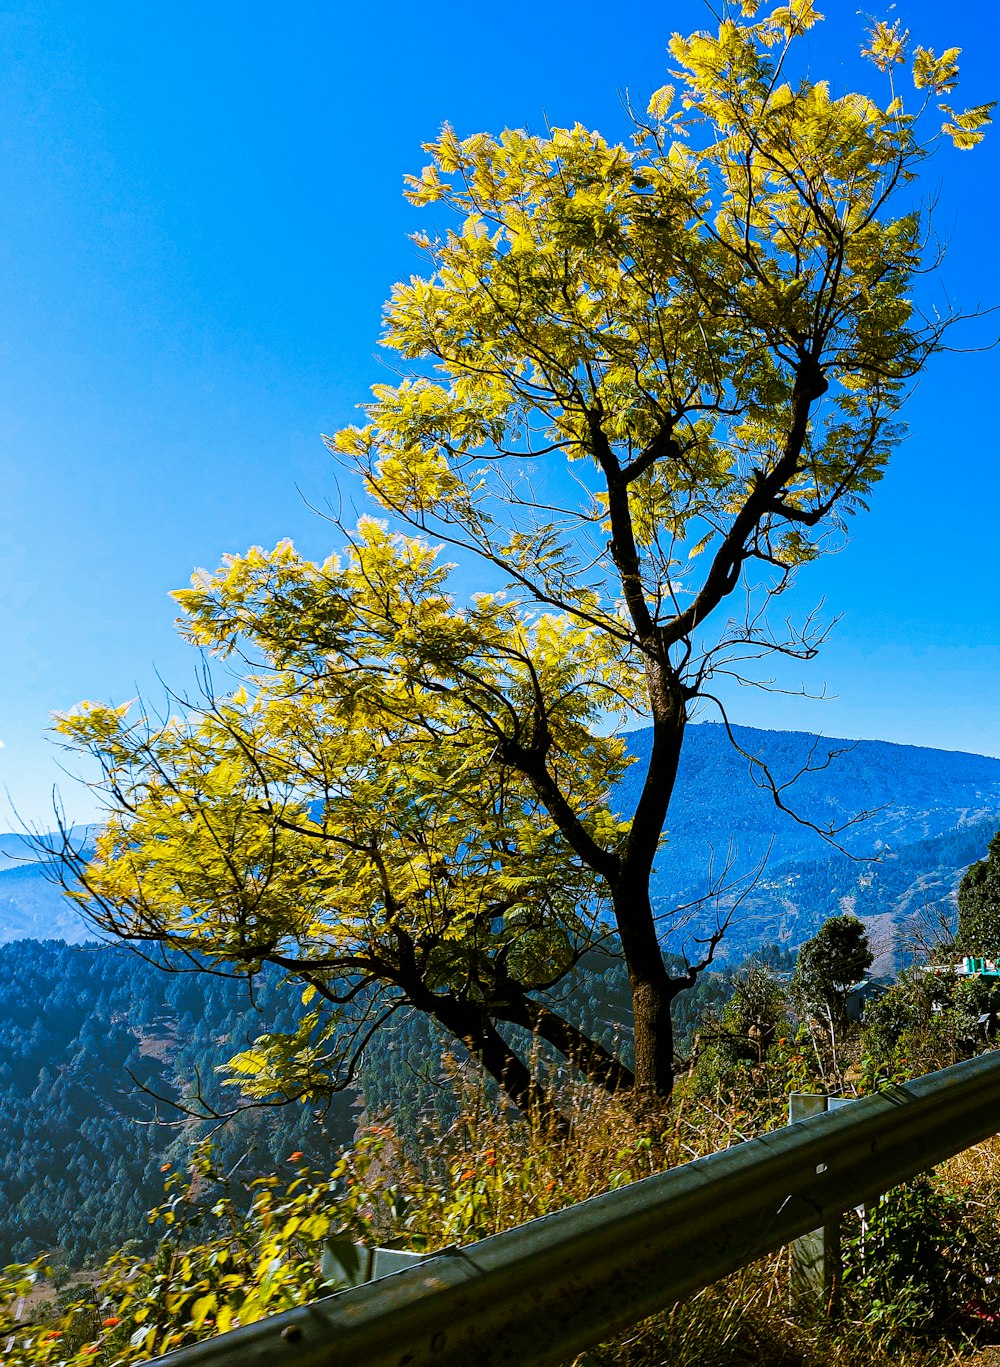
351 816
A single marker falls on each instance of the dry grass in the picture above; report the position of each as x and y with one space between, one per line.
489 1172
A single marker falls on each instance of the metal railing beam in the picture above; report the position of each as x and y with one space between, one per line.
537 1295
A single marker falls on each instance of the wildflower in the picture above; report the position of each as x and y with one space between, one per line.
294 1157
164 1167
469 1172
111 1322
978 1311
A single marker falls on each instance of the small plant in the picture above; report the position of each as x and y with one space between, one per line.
912 1263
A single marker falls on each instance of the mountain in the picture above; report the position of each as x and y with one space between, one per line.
32 904
33 907
930 814
911 794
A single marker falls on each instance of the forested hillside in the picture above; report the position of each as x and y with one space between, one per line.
83 1145
905 896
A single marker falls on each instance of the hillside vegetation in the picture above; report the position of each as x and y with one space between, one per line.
87 1028
441 1158
84 1029
918 1280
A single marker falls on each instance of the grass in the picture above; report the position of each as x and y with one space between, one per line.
924 1297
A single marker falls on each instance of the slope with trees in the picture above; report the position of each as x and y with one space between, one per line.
643 385
85 1030
93 1035
917 1281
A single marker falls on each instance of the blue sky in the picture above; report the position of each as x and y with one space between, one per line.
199 221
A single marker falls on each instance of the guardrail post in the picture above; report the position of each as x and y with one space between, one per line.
345 1263
816 1264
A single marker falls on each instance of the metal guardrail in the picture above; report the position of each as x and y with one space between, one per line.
539 1294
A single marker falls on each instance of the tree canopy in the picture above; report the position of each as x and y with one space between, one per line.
346 819
830 964
641 385
978 929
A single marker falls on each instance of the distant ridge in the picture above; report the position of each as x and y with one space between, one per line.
932 814
32 904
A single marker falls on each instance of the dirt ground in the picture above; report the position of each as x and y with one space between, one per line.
43 1291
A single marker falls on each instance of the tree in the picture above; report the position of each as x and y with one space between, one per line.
829 964
978 930
644 383
752 1016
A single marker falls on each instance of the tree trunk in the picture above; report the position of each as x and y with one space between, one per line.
650 986
654 1041
650 983
485 1043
